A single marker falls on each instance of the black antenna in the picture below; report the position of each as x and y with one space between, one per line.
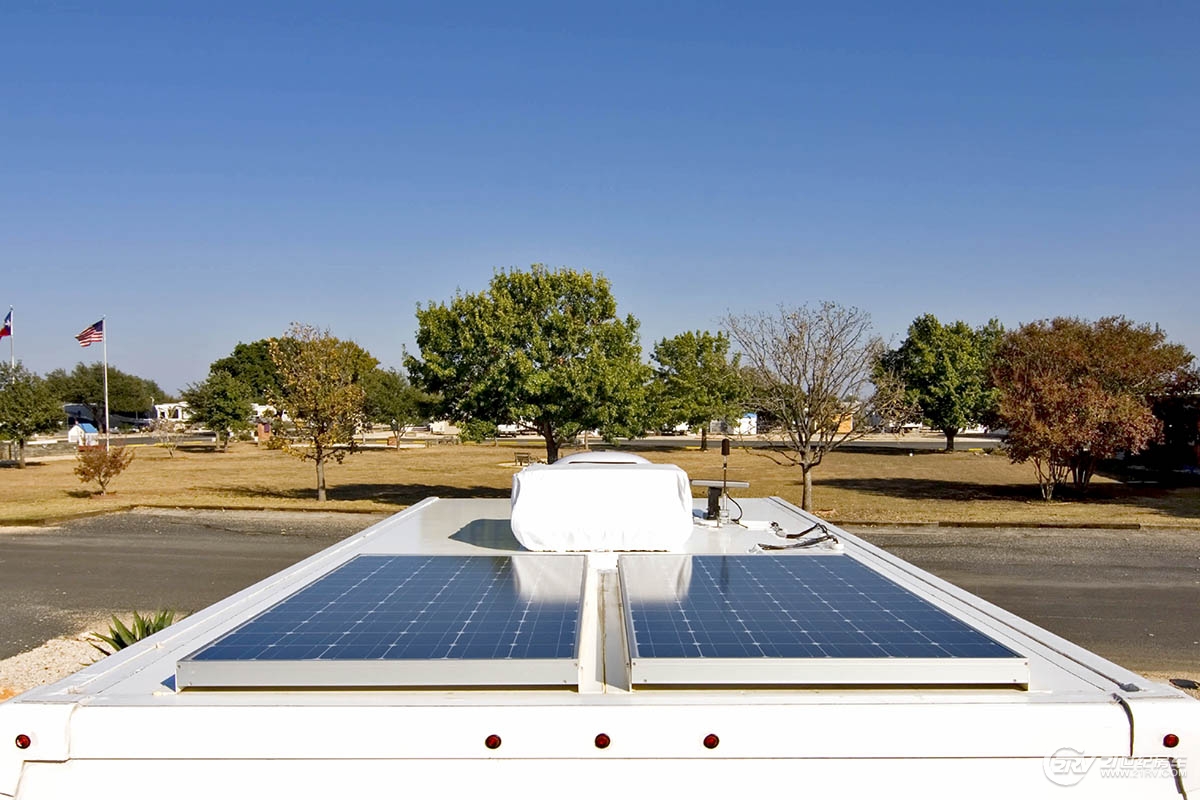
724 475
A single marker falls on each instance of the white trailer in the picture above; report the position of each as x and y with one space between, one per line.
642 690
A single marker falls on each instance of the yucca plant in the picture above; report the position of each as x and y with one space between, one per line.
121 636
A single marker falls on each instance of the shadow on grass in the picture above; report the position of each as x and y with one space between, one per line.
1175 502
396 494
937 489
931 488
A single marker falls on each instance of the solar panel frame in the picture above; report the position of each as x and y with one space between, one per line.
200 669
730 668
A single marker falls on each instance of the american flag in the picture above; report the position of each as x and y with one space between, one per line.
91 334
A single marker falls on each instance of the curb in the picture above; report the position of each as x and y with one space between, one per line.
1119 526
282 510
33 522
1095 526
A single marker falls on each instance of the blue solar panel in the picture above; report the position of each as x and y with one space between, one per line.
786 607
400 608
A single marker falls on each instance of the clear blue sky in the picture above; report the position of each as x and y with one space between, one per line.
205 173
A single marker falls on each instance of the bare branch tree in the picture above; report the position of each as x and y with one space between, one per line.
810 368
168 432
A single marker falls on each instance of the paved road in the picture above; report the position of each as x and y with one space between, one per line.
54 581
1131 596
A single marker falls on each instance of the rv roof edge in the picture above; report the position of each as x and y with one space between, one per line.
442 650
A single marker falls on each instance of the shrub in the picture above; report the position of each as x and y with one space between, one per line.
121 636
101 464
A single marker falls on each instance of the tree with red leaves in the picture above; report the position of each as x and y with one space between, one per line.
1074 392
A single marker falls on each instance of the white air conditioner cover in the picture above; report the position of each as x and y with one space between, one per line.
583 506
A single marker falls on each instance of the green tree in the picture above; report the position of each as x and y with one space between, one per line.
221 403
127 394
321 388
27 407
392 399
1073 392
695 381
543 346
810 370
252 365
945 370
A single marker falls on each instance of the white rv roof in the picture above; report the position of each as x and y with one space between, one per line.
1056 668
1045 694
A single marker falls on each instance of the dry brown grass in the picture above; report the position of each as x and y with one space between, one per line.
891 486
850 486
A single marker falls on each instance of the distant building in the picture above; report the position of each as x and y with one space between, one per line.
83 433
177 412
745 425
261 412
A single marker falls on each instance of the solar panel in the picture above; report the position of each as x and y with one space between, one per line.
796 619
393 620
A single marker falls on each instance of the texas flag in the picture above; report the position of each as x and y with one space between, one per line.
7 329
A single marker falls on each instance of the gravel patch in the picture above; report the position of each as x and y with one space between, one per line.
52 661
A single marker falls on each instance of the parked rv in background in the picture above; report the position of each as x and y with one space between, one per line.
179 412
78 413
176 412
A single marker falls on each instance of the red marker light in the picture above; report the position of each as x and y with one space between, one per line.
23 741
602 740
491 742
1170 740
711 741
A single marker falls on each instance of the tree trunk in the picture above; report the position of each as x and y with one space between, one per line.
703 438
1082 469
224 443
97 417
1045 477
806 497
551 444
950 433
320 479
21 454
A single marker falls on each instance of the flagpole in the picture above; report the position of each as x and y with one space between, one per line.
12 351
104 339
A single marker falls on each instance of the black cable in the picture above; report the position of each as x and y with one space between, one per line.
741 513
780 532
798 545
